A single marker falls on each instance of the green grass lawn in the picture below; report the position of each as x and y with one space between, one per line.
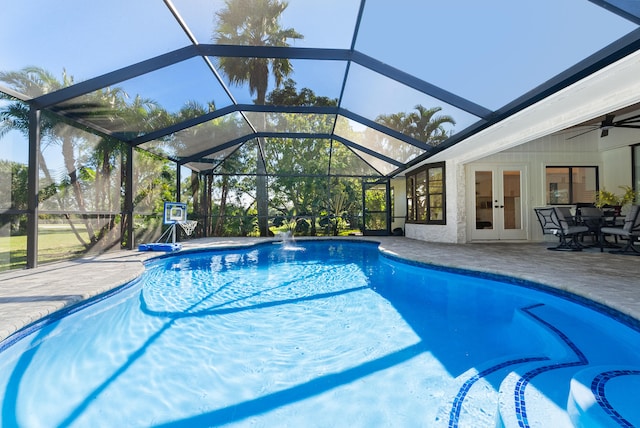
55 242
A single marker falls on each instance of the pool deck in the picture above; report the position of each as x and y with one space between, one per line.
613 280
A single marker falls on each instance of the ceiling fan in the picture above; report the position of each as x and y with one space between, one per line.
609 122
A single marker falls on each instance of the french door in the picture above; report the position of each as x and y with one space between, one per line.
497 211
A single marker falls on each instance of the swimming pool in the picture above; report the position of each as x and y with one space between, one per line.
324 333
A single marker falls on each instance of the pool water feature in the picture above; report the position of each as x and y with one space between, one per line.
319 333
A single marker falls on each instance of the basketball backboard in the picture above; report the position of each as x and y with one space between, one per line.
175 212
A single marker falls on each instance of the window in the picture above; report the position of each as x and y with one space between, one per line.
426 195
571 184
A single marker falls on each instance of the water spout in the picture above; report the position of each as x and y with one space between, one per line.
289 241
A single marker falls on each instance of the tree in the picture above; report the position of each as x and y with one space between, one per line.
33 81
89 160
429 127
288 95
234 182
13 191
303 189
424 124
255 23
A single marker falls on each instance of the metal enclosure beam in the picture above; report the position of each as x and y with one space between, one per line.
178 179
128 200
33 188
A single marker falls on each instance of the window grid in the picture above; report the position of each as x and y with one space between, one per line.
426 195
568 185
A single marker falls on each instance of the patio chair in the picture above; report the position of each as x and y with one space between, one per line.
568 215
592 217
553 222
629 231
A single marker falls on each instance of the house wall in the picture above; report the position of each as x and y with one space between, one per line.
616 157
399 186
612 157
616 169
454 230
527 137
556 150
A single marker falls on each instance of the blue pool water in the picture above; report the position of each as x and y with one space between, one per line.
325 333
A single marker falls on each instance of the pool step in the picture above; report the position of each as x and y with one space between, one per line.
599 396
475 395
552 392
605 395
541 404
474 401
547 387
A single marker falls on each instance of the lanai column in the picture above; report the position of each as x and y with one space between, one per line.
33 188
128 200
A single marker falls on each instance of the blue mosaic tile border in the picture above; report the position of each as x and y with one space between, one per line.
597 388
454 415
521 385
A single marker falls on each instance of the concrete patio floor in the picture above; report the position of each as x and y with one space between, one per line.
613 280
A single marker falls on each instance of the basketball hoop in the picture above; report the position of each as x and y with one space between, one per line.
188 226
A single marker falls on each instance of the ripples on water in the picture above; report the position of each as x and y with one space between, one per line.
322 335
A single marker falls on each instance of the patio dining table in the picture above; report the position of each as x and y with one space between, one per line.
595 219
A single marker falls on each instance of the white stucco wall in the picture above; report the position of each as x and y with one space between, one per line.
399 186
616 169
455 229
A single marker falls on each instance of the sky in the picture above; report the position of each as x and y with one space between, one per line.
489 52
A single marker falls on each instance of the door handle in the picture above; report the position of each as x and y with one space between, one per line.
498 206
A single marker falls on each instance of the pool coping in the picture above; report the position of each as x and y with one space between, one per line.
27 297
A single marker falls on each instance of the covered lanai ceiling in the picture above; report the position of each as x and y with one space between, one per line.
371 62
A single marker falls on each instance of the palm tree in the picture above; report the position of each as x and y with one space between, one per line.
397 121
423 124
255 23
113 111
427 126
35 81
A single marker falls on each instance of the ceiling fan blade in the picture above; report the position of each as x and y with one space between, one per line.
582 133
628 121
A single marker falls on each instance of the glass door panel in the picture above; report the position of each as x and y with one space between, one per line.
484 199
511 198
497 203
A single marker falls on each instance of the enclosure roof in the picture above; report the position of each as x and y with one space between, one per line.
389 83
